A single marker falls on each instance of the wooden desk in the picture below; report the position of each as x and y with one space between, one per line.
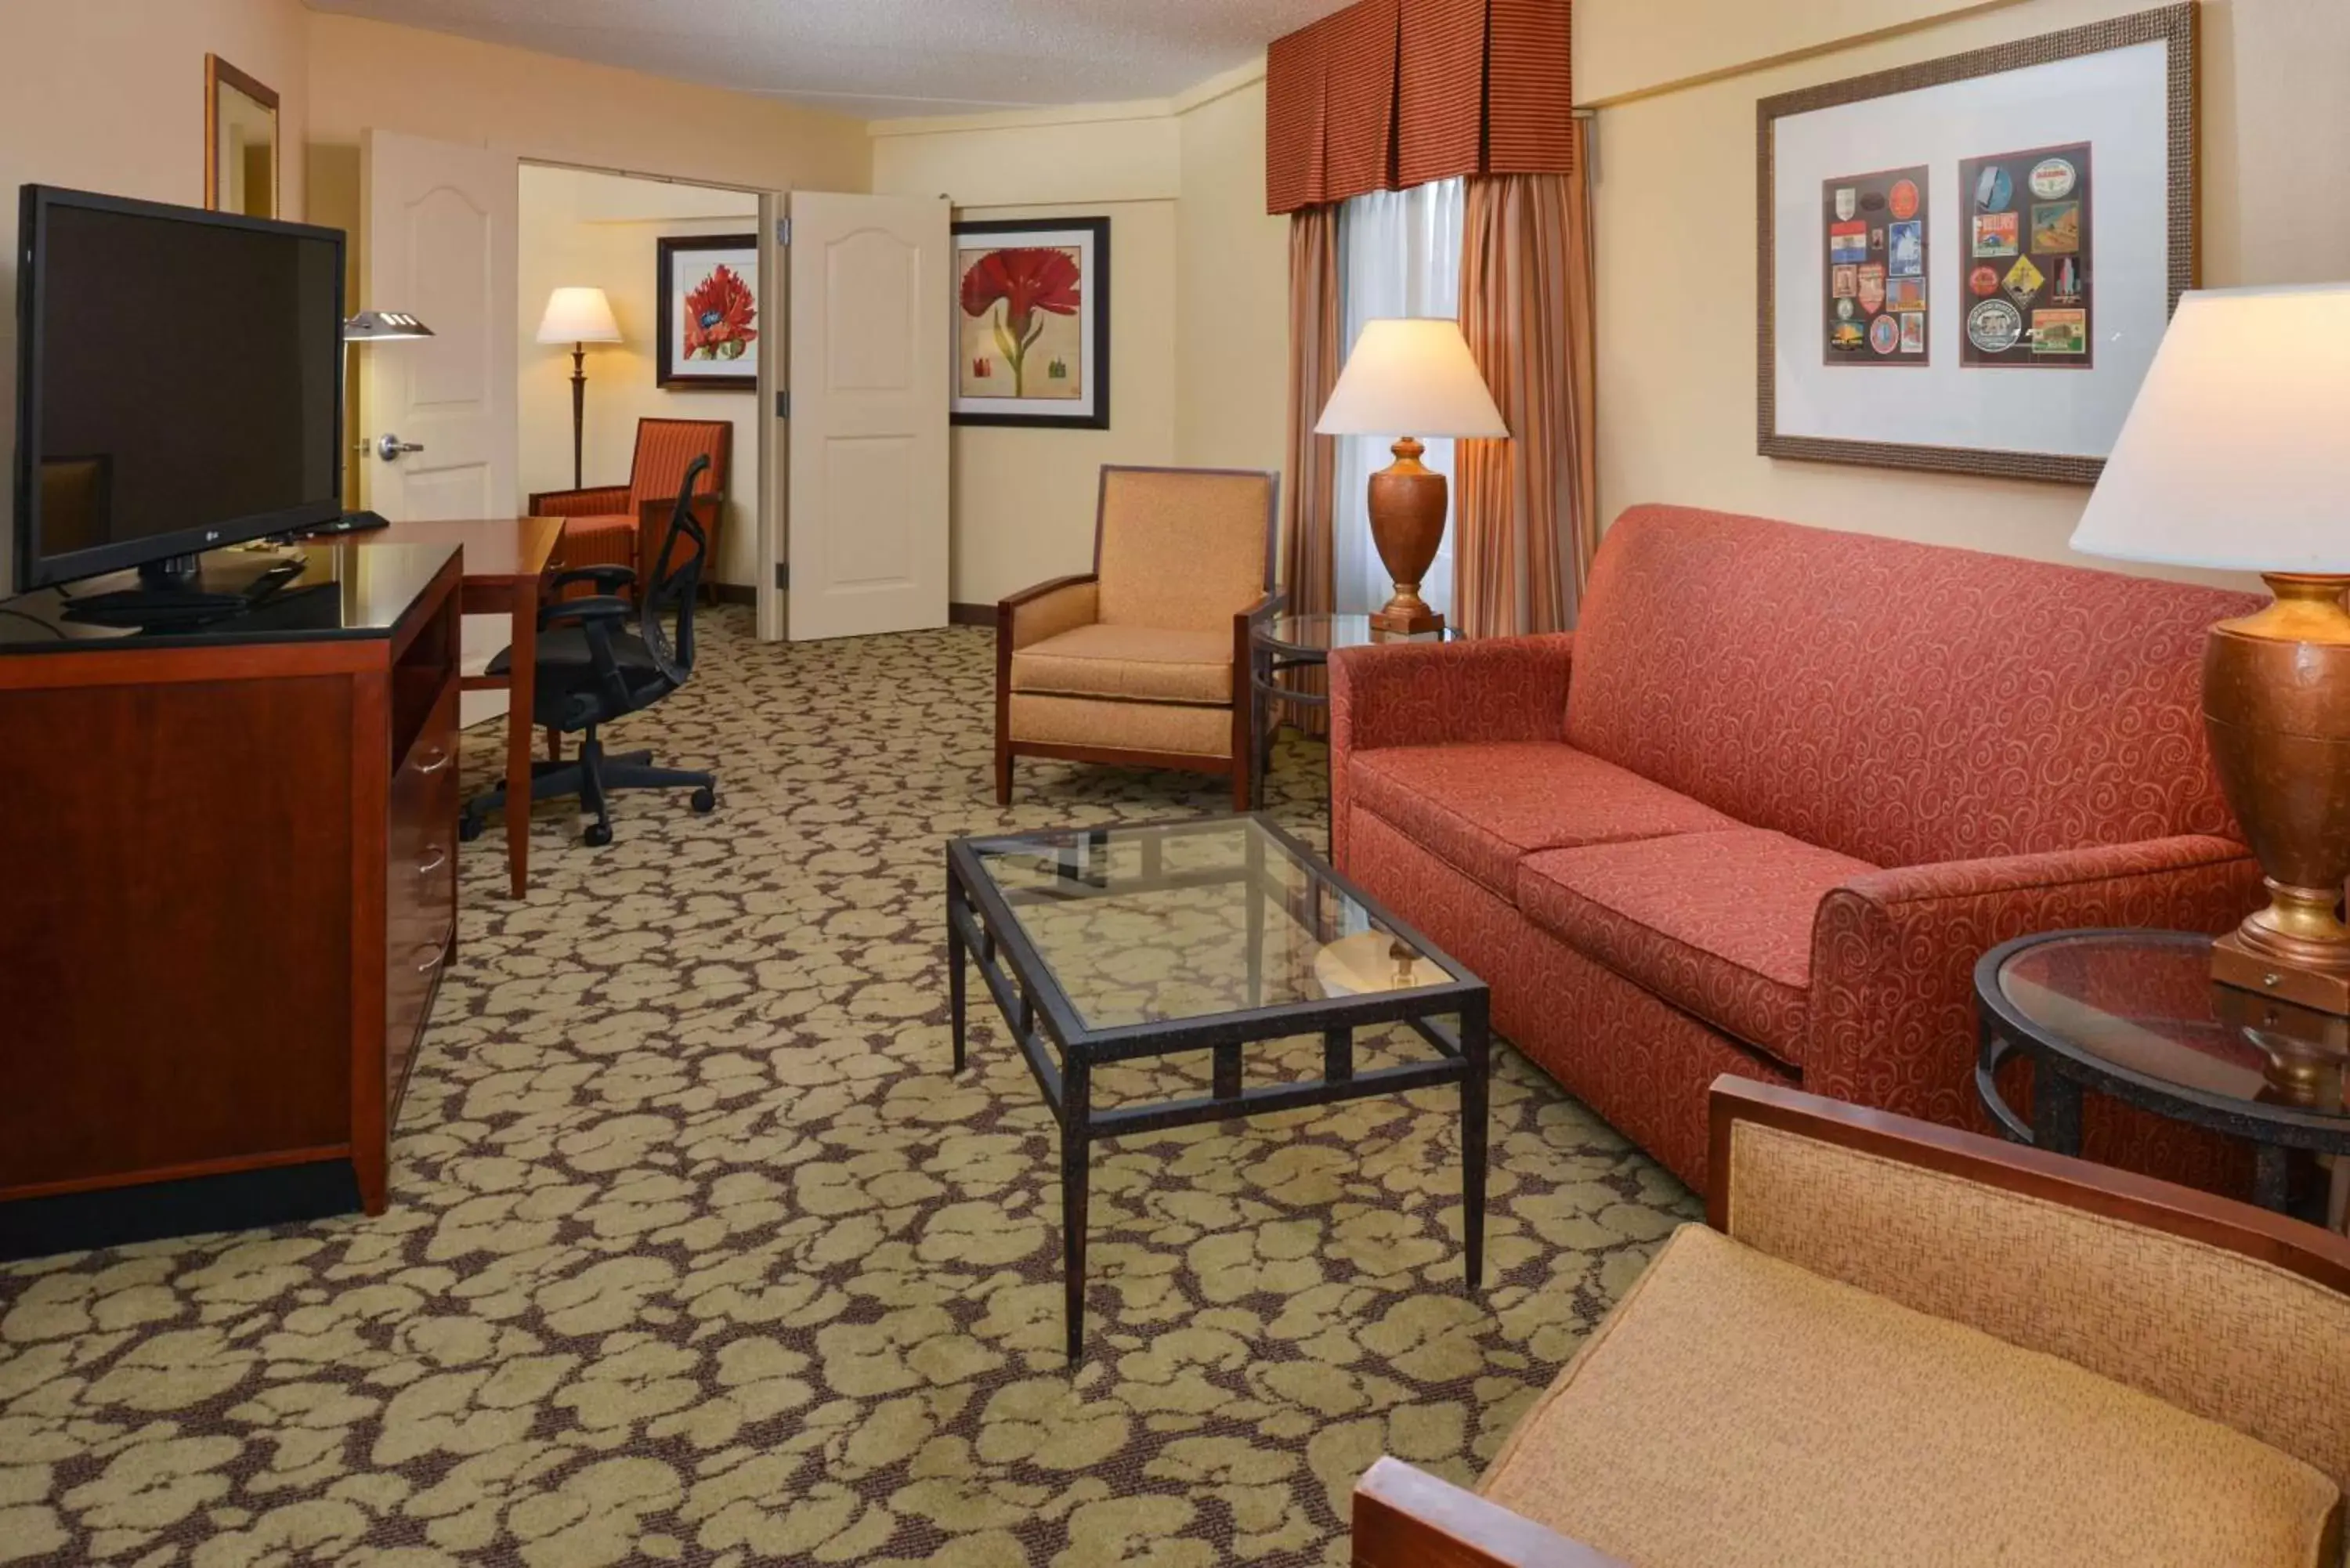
231 855
506 560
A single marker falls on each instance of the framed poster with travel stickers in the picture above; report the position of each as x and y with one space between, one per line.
2028 299
2047 196
1874 312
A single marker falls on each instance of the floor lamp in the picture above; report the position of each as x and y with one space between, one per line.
578 317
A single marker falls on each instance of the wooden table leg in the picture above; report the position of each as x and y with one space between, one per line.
519 684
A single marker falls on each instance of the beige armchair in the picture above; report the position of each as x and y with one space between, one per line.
1144 662
1896 1343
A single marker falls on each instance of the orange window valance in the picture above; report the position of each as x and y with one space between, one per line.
1391 93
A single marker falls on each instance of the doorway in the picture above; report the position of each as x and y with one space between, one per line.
589 230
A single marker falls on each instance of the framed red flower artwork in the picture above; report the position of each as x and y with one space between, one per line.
710 324
1032 323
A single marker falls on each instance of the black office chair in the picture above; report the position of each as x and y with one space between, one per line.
590 671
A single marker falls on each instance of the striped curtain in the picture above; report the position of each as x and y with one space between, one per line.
1389 94
1526 510
1307 558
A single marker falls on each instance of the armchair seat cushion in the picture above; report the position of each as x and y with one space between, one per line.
1133 663
1484 807
1718 924
1736 1411
599 541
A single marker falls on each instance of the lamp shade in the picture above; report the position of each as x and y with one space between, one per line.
1411 376
578 316
2237 453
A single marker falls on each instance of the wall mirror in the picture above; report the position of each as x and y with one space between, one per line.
240 143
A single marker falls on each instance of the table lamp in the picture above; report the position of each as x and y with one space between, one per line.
1414 375
578 317
2236 456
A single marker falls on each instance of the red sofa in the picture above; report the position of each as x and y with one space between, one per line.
1764 810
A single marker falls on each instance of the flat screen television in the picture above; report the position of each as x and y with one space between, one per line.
179 381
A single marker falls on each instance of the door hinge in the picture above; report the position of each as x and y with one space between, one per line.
783 231
782 575
783 405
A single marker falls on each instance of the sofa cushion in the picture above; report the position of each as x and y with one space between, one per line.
1736 1411
1138 663
1481 808
1718 923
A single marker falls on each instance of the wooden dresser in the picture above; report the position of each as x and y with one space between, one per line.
227 893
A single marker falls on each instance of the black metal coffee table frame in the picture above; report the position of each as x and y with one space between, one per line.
982 926
2062 1071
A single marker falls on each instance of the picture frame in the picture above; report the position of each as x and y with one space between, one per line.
1032 325
707 301
2053 192
241 138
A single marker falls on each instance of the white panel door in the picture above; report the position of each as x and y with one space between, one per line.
440 244
867 532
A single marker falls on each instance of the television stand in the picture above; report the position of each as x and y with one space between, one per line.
168 600
171 572
137 608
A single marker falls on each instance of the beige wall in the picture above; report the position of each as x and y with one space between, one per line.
599 230
1021 501
367 74
108 95
1232 290
1627 46
1675 220
1197 305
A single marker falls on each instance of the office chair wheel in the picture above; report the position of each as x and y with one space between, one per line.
703 800
598 835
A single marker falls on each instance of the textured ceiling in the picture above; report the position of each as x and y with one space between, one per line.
880 58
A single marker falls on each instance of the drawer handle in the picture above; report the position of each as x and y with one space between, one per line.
436 953
435 858
433 761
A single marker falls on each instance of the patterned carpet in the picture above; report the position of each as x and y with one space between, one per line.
698 1253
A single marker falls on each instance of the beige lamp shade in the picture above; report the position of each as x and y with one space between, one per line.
2237 453
578 316
1411 376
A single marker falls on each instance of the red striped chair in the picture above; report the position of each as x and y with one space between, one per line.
619 525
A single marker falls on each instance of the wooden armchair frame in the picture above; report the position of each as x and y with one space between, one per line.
1405 1518
1239 765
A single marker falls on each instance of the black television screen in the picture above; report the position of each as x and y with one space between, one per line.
179 381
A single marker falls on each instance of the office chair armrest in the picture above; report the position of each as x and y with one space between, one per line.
600 607
596 616
605 577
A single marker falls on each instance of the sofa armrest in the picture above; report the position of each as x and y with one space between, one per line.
1046 610
1893 954
1406 1518
1442 693
604 501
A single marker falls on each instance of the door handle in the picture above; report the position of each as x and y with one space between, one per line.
390 447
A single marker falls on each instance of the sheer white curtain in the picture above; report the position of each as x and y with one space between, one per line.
1399 254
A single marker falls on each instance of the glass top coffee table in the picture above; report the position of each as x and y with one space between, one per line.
2135 1015
1115 944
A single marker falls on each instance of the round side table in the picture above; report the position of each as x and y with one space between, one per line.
1288 642
2135 1015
